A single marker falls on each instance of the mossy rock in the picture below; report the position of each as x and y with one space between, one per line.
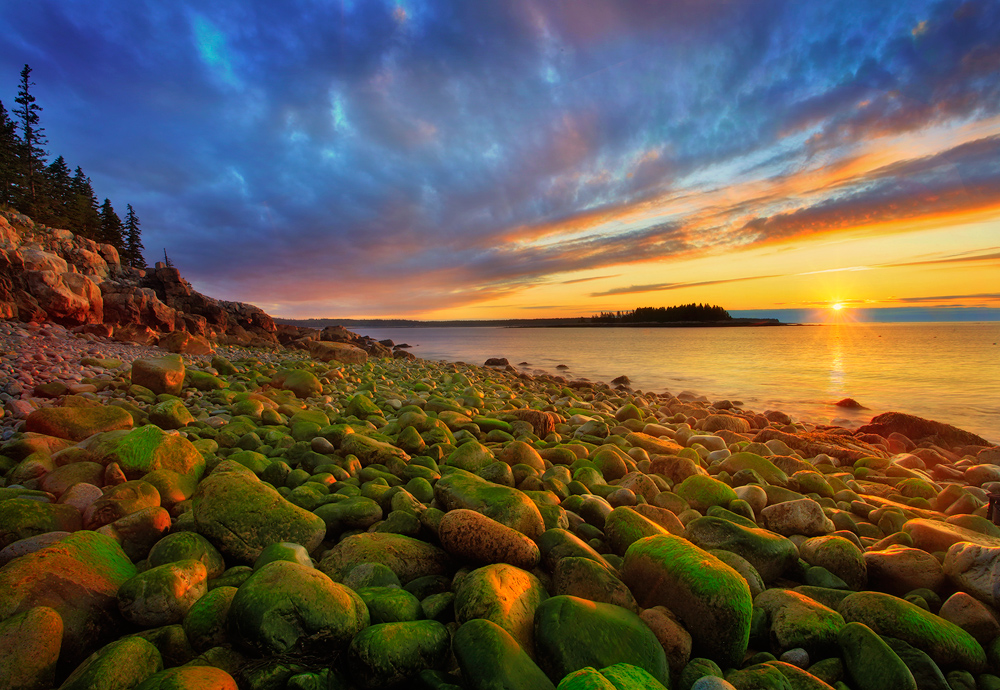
184 545
870 663
79 577
21 518
702 492
710 598
205 623
946 643
490 659
573 633
162 594
505 595
770 553
407 557
241 515
288 608
30 642
587 579
798 621
159 374
77 423
460 489
146 449
387 654
624 526
123 663
390 604
766 469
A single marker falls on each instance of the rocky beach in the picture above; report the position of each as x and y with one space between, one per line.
192 497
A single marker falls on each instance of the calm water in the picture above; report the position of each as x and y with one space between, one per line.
944 371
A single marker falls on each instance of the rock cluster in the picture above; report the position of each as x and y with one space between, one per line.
53 275
274 519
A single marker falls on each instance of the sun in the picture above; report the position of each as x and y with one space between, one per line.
837 306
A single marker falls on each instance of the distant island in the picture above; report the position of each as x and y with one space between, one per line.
680 316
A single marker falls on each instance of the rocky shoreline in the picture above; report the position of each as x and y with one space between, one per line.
325 515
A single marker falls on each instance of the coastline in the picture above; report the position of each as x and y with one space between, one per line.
392 461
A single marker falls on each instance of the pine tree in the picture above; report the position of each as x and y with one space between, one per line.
111 227
132 256
9 162
32 141
59 188
84 217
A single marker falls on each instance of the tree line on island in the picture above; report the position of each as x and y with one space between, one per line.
48 192
676 314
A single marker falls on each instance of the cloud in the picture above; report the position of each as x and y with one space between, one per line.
660 287
357 155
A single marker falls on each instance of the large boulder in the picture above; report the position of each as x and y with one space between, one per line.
572 633
77 423
711 599
337 352
460 489
241 515
146 449
407 557
159 374
29 649
504 594
78 577
491 659
287 607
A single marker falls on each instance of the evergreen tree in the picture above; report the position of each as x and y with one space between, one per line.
111 227
59 187
84 217
132 256
8 158
32 141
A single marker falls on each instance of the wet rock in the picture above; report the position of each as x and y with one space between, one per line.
159 374
712 599
945 642
79 577
390 653
474 537
240 515
29 649
286 607
77 423
490 658
572 633
505 595
407 557
163 594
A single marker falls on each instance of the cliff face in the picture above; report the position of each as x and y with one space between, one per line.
53 275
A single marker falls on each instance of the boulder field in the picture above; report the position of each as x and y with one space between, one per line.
284 519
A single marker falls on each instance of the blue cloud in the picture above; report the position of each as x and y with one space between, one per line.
407 141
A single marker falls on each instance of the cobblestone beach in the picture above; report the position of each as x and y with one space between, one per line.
257 518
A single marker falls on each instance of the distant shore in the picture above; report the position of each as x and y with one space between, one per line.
741 322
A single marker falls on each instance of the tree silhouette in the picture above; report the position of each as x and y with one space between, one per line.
111 226
8 158
133 241
32 139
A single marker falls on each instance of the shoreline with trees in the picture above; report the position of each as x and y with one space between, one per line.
49 193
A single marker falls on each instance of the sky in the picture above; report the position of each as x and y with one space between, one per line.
528 158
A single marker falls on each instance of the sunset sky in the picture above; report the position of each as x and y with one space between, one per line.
527 158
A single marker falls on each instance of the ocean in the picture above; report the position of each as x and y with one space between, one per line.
949 372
